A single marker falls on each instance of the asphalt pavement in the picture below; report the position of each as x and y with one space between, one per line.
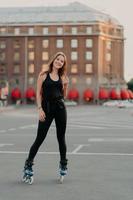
100 154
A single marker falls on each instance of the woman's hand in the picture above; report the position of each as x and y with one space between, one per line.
42 115
65 82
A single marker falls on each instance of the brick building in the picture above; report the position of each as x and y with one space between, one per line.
92 41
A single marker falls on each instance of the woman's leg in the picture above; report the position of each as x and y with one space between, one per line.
43 128
60 121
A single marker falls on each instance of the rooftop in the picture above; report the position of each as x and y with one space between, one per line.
74 12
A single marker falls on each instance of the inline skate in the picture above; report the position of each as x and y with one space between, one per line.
62 170
28 172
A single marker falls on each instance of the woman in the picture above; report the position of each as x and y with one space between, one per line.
51 91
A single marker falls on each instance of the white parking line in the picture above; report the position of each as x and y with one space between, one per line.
11 129
3 131
110 140
77 149
2 145
84 126
27 126
70 153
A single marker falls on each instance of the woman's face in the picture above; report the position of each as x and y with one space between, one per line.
59 62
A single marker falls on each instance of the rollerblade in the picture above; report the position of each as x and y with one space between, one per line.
28 172
62 170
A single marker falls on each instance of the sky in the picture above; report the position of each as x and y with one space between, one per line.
121 10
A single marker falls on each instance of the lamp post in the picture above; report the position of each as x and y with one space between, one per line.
110 75
25 63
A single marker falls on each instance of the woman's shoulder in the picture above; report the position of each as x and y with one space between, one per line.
42 75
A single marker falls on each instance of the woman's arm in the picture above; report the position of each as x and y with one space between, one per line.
39 97
39 91
65 81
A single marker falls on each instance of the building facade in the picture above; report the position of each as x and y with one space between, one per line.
92 41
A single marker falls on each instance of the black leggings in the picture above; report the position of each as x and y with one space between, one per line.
57 111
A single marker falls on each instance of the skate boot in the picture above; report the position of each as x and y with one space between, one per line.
28 172
62 170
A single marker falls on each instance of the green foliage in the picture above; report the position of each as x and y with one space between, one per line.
130 84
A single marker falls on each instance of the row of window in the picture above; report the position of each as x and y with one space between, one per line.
31 68
61 30
45 56
45 43
45 30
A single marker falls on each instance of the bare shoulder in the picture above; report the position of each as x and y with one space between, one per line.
42 76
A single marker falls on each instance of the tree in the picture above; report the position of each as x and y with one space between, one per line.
130 84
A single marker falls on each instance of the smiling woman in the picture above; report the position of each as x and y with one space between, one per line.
51 90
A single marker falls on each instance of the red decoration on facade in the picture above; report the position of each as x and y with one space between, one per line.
88 95
114 94
103 94
124 94
16 94
73 94
30 93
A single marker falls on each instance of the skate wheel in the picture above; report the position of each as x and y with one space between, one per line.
28 180
24 178
61 179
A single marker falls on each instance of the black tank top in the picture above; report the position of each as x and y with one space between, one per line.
52 90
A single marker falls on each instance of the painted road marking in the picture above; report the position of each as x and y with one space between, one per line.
2 145
79 147
110 140
70 153
11 129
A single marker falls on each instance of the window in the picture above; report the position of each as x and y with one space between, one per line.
74 30
108 57
59 30
88 55
59 43
16 31
31 55
16 56
45 43
89 43
45 56
31 68
16 44
2 56
16 69
2 44
31 44
44 67
45 31
31 80
118 31
74 80
74 43
88 80
74 55
31 31
74 68
88 68
108 45
89 30
2 69
3 30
